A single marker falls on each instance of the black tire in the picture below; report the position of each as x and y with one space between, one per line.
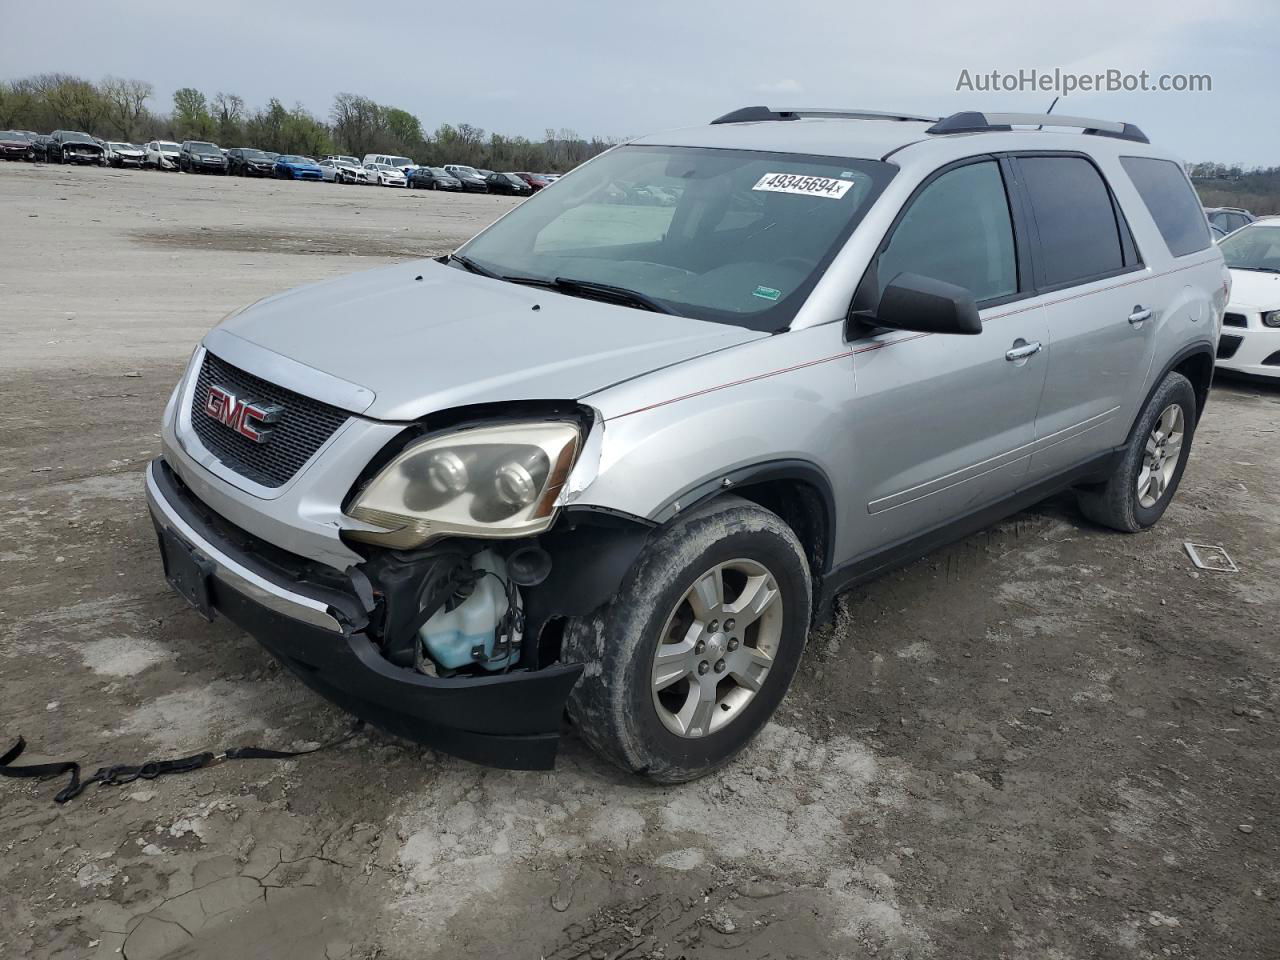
1116 503
613 705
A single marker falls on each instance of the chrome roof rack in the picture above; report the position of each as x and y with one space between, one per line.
750 114
971 121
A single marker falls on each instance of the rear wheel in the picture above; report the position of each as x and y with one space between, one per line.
1142 485
691 658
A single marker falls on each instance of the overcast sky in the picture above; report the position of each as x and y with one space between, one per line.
627 68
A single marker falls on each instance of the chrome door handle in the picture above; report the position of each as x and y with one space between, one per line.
1021 350
1140 314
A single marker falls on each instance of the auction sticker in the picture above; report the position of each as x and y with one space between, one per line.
805 186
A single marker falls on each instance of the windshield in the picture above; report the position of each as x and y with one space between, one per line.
168 145
204 148
123 146
730 236
250 154
13 135
1255 247
400 161
465 172
439 172
294 158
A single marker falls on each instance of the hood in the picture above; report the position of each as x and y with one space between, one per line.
454 338
1255 290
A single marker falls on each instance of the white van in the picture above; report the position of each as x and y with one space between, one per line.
404 163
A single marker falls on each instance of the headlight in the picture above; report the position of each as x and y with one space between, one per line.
1271 319
499 481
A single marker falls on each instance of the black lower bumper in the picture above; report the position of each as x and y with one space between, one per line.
510 720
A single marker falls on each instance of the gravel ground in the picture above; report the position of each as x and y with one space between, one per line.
1046 741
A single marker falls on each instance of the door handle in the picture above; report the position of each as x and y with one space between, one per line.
1139 315
1021 350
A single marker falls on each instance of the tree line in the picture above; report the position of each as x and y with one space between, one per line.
1231 185
121 108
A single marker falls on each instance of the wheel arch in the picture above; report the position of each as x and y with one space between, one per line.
799 491
1195 361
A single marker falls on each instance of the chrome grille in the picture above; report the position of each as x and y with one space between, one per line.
303 428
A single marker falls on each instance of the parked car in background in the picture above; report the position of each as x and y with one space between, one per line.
469 177
820 364
351 160
292 166
403 164
536 181
200 156
385 175
1228 219
508 184
72 146
433 178
40 147
249 162
161 155
339 170
1250 341
123 154
16 145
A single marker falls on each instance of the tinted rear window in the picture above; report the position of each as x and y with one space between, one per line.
1076 221
1171 202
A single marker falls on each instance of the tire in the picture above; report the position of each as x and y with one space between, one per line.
1119 503
616 707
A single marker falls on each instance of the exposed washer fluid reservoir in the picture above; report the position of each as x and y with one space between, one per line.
465 631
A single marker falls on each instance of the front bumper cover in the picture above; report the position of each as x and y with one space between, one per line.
509 720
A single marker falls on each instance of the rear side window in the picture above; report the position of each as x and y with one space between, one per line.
957 230
1171 202
1075 220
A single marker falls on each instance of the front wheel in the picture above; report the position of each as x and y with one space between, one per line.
1141 486
697 650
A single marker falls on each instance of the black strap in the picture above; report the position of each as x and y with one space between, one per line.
123 773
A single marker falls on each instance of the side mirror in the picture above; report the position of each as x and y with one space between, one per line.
913 302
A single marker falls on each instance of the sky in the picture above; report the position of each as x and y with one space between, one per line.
623 69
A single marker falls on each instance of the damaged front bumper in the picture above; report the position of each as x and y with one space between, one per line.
319 631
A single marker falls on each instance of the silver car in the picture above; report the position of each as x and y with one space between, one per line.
618 456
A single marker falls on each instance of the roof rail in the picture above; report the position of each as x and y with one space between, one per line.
971 121
750 114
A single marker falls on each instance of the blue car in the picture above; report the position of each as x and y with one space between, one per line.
292 167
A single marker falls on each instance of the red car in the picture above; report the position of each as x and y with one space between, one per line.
535 180
15 145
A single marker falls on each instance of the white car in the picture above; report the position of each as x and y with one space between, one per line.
340 170
1250 341
121 154
161 154
385 175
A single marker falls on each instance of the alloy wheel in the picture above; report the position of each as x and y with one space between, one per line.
716 648
1160 458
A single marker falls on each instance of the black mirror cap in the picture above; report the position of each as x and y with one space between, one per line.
914 302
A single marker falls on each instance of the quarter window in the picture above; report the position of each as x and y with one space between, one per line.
1075 219
1172 203
958 230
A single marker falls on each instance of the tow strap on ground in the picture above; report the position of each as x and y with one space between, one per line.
123 773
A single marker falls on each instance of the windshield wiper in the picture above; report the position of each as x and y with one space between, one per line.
593 290
468 264
1258 269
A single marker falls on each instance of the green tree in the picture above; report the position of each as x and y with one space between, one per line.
191 117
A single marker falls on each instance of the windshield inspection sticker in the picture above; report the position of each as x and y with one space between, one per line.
805 186
766 293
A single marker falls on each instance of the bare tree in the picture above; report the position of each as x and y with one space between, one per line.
126 103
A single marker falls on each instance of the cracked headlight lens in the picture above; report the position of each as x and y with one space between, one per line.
497 481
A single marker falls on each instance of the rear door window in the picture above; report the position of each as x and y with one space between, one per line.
1172 203
1075 218
958 230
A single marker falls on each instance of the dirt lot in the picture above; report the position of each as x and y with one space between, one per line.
1047 741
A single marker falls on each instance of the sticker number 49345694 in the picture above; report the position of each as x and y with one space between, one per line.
803 185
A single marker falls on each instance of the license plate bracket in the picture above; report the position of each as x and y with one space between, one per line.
188 572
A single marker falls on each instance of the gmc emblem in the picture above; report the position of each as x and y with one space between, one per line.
245 417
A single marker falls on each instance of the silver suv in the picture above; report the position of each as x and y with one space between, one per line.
619 452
